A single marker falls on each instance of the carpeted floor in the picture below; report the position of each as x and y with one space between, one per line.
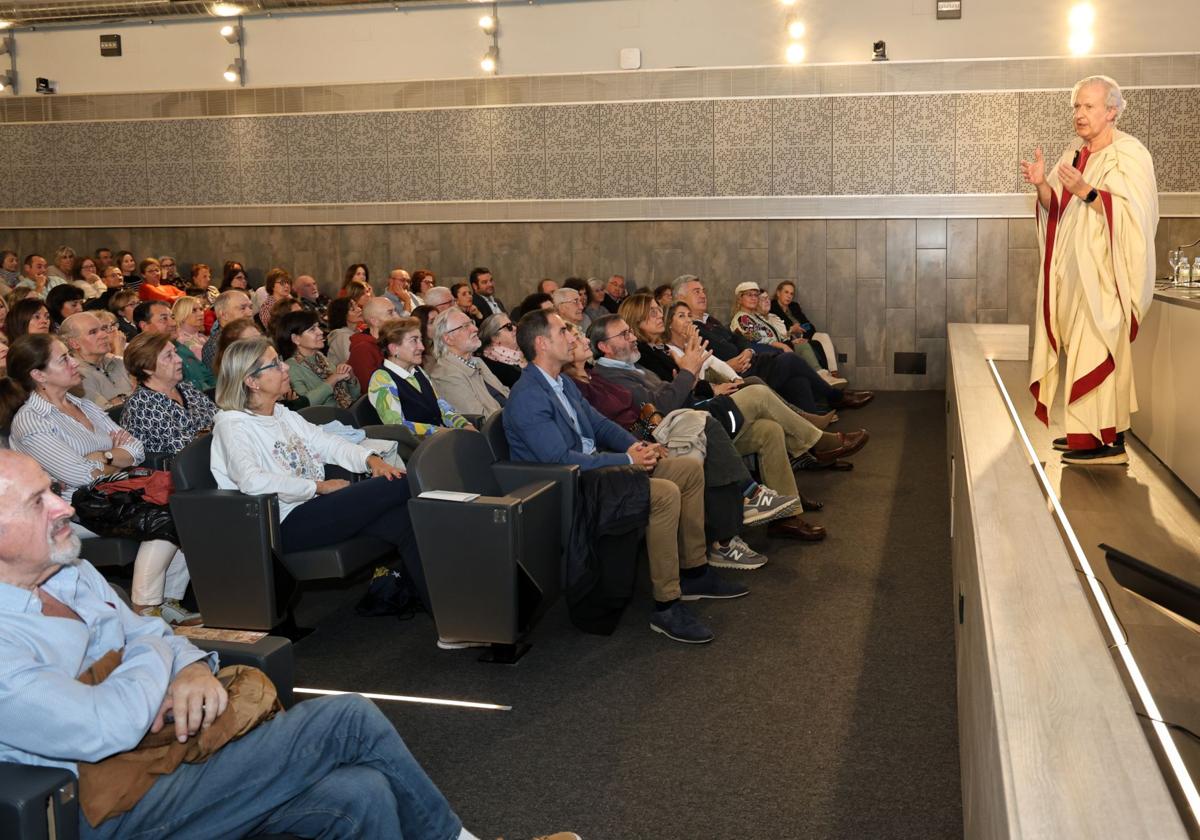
824 709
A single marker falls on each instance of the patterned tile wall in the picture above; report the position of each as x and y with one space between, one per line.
903 144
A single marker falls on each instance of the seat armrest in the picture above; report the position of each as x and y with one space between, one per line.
406 441
513 474
271 654
38 802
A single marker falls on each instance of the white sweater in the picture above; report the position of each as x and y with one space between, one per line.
282 454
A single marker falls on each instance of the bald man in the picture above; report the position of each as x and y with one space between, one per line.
105 381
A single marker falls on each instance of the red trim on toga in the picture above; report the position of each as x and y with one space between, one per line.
1039 411
1089 381
1051 228
1087 441
1106 200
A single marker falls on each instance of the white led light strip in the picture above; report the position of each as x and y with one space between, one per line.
1186 783
405 698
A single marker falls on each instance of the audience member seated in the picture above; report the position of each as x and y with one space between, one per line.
464 300
461 378
439 298
546 287
233 276
615 291
569 305
299 341
498 335
345 320
104 380
10 270
165 413
77 442
282 307
662 294
731 496
277 286
128 265
86 276
62 265
170 273
356 273
152 287
188 313
332 766
201 284
109 322
532 303
787 309
425 315
595 298
547 421
752 318
35 276
104 258
27 317
422 281
770 429
261 447
305 289
122 304
365 355
794 380
155 316
400 391
231 305
235 331
62 301
113 282
483 294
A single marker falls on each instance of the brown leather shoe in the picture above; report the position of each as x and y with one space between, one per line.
810 505
850 442
795 528
855 399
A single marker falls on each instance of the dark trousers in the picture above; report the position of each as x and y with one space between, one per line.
798 383
376 507
725 482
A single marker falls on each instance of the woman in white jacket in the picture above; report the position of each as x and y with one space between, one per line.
261 447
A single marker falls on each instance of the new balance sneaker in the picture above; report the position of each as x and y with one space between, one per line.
1100 455
677 622
766 505
709 585
736 555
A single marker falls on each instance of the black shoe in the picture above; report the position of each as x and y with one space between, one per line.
1061 443
1100 455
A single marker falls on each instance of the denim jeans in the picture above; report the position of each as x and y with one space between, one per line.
331 767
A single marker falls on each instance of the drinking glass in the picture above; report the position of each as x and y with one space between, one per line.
1175 258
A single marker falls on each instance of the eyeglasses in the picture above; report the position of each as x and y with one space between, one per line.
512 327
275 364
459 327
625 333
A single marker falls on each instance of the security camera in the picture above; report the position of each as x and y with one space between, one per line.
879 50
44 85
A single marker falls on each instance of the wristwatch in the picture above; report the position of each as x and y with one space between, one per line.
108 458
1091 196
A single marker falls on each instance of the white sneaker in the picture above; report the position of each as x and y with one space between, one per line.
830 379
454 644
766 506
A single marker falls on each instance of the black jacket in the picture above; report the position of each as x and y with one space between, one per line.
793 315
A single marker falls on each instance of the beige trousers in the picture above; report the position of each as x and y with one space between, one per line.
773 432
675 536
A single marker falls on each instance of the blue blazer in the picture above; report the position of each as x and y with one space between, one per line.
539 429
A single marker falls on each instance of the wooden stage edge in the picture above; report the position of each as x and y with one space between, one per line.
1050 742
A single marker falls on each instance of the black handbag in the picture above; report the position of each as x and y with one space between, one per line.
124 513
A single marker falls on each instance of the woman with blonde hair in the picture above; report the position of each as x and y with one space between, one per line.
188 313
752 318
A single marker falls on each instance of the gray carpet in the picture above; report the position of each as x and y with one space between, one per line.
824 709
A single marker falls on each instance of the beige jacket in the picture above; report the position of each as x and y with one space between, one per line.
465 385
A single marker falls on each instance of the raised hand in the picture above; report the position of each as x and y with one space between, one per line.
1072 180
1034 173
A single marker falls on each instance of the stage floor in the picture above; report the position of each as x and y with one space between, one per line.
1145 511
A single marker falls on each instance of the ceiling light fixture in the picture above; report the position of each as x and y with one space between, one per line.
226 10
795 53
6 81
788 2
232 33
1082 16
795 29
233 72
488 24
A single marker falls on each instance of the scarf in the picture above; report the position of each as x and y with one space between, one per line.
504 355
319 365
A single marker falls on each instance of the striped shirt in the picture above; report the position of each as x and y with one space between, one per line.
58 441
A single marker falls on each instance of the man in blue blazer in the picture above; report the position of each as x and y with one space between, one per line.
547 421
